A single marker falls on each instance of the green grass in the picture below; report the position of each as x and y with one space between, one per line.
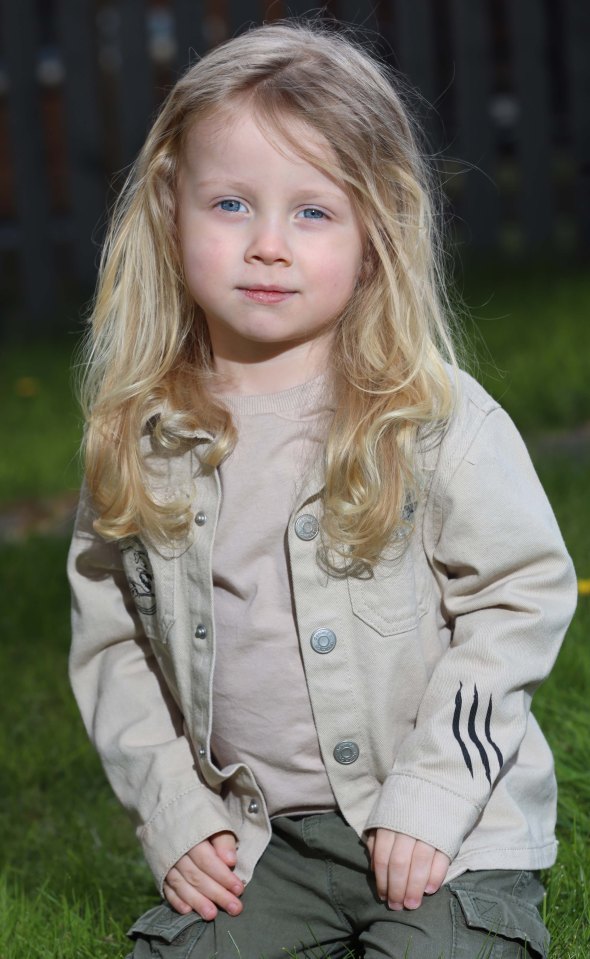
41 425
72 878
531 334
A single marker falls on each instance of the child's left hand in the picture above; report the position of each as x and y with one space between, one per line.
405 868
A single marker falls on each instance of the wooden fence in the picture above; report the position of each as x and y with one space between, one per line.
80 80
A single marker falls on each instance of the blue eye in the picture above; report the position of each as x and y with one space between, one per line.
231 206
315 213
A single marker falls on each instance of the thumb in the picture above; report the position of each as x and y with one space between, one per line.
224 844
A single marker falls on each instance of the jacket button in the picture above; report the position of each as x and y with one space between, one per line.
346 752
307 526
323 640
201 518
202 751
201 631
253 806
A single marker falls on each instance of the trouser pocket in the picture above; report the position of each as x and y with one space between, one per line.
163 933
502 905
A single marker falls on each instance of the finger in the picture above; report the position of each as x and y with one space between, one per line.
371 844
185 898
398 870
199 904
382 845
203 859
175 901
224 844
438 872
419 874
205 897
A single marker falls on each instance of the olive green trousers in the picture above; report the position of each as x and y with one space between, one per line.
313 896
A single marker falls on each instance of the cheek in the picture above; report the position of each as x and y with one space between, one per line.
339 273
202 262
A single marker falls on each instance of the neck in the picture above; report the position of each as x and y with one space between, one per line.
271 374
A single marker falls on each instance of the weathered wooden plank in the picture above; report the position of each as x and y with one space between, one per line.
361 12
415 50
19 29
473 141
85 154
535 199
241 14
190 37
577 18
414 43
136 94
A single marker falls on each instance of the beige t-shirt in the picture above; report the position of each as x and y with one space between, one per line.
261 709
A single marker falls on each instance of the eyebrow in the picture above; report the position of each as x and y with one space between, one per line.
246 187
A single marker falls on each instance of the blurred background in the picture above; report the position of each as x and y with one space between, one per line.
502 88
504 83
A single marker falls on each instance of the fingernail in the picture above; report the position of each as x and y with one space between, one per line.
411 903
396 906
233 908
237 889
430 889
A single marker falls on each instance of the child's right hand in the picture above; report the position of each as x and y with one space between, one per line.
202 879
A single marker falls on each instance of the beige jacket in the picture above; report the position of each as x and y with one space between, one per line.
420 690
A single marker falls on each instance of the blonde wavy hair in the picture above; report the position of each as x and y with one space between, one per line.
148 359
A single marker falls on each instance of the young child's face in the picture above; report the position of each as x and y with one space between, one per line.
271 246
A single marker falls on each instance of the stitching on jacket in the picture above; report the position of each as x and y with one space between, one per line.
451 792
167 805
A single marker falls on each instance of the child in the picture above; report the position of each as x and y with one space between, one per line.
315 578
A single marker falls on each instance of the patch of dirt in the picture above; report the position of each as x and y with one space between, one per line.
49 515
574 442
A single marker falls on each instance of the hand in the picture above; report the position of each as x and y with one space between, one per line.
203 879
405 868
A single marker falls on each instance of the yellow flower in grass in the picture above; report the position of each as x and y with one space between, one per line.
27 386
584 587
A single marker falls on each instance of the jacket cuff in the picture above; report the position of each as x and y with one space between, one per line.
428 812
179 825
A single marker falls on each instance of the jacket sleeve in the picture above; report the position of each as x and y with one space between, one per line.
508 592
127 709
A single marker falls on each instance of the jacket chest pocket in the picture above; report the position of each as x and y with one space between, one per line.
392 599
151 580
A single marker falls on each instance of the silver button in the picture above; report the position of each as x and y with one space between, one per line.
307 526
346 752
202 751
323 640
201 518
253 807
201 631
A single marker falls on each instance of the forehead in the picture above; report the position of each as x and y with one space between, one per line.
238 127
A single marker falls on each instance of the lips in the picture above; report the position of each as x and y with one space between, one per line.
267 294
266 288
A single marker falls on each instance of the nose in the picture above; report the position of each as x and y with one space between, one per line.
268 243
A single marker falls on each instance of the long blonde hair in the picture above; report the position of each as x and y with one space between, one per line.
148 355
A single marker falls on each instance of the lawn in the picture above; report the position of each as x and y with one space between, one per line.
72 877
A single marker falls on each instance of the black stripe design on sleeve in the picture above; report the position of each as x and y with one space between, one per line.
489 735
456 732
473 735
